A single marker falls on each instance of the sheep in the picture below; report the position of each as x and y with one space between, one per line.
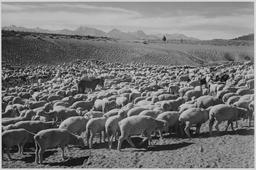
194 116
16 137
28 115
111 125
112 112
10 112
136 100
244 91
183 90
53 97
192 93
172 119
133 96
85 105
227 96
135 111
51 138
18 100
221 93
245 104
232 100
104 105
32 126
62 113
167 97
250 83
94 114
121 101
224 112
79 97
135 125
93 126
34 105
151 113
247 97
186 106
173 89
172 105
75 124
207 101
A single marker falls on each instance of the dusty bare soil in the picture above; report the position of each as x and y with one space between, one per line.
222 150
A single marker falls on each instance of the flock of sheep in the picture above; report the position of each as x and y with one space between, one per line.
73 106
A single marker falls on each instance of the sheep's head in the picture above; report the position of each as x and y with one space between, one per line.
80 141
101 81
243 113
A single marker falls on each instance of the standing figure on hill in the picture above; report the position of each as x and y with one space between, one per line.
164 39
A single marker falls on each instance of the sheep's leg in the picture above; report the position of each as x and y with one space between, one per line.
19 149
120 141
100 137
63 152
161 135
104 136
41 152
210 126
176 128
187 129
87 134
91 140
236 124
36 153
198 128
130 142
217 126
232 126
110 141
228 123
8 153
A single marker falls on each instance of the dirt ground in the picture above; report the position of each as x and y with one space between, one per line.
222 150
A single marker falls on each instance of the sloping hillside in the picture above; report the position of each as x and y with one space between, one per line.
35 48
249 37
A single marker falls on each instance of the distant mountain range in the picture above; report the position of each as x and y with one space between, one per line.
114 33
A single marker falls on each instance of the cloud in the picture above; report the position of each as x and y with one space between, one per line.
210 21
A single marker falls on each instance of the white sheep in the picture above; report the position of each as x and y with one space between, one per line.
75 124
151 113
194 116
136 125
135 111
172 105
223 112
207 101
172 119
51 138
28 115
32 126
111 125
95 125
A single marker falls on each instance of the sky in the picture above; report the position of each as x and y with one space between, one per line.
203 20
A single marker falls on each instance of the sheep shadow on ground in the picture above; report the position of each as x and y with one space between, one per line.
166 147
71 162
243 132
31 158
